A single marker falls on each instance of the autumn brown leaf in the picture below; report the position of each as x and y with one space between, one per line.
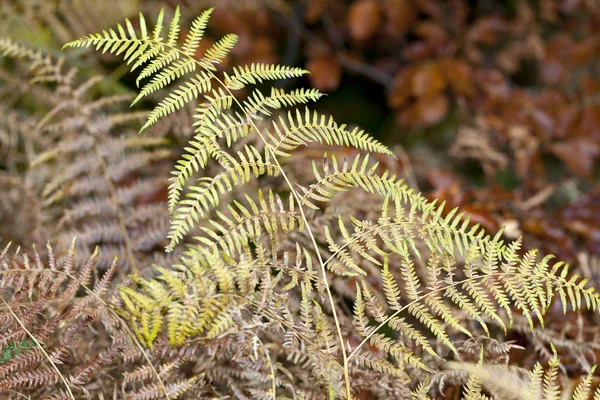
325 72
364 18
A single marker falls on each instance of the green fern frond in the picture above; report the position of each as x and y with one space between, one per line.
218 52
192 41
257 104
179 97
228 127
413 267
358 175
583 390
174 28
368 360
422 390
312 127
196 158
472 389
206 195
217 102
257 73
157 58
232 236
165 61
507 381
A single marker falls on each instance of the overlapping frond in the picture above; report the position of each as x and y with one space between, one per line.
510 382
165 63
205 196
493 277
414 266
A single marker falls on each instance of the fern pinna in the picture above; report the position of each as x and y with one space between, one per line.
264 268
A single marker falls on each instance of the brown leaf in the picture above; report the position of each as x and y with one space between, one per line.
486 30
458 74
399 15
417 51
583 52
433 8
263 51
553 71
578 154
582 217
590 121
325 72
478 214
432 110
554 239
400 93
432 33
428 81
493 83
364 18
314 10
590 85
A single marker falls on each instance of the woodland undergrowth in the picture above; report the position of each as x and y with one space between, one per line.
199 252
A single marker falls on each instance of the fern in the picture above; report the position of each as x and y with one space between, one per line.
89 156
239 279
508 382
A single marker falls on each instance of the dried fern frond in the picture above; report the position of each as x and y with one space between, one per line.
41 308
97 171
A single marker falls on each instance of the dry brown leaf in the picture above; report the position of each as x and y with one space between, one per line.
428 81
432 110
578 154
364 18
325 72
401 89
399 15
458 74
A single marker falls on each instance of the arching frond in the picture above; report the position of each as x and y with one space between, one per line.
312 127
257 73
205 196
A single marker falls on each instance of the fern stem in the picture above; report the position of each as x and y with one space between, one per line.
115 200
271 368
269 148
38 344
315 245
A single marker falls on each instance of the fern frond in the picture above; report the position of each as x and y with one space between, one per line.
358 175
247 224
257 73
192 41
472 390
206 196
315 128
525 282
414 267
179 97
218 52
258 105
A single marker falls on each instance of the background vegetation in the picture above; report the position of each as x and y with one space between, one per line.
490 106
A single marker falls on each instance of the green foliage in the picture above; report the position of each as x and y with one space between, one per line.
12 349
270 257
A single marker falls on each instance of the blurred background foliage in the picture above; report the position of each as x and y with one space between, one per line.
492 106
